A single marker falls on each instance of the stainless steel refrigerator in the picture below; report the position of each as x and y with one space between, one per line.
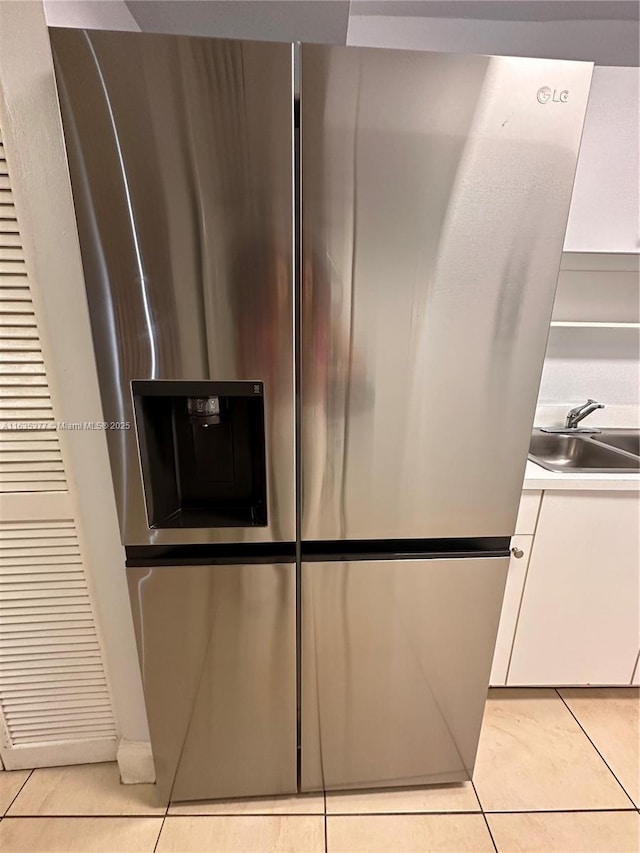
323 317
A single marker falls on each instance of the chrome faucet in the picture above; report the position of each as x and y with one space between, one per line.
573 419
580 412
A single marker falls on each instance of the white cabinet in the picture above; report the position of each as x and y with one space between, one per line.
510 608
579 619
521 542
604 204
528 512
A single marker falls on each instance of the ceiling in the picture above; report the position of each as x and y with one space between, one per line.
270 20
606 32
602 31
504 10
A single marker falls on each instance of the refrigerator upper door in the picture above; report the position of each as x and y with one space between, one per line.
217 649
181 159
435 195
395 665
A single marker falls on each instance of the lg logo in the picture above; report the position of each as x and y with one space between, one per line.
545 94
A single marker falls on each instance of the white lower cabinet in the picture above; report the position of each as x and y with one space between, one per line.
517 573
578 619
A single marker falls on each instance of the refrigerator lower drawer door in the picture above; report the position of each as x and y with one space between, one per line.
217 653
396 656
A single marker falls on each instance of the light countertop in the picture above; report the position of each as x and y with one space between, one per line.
536 477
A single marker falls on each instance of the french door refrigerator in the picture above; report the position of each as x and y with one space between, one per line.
324 317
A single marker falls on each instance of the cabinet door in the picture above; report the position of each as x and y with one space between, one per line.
604 204
510 608
579 618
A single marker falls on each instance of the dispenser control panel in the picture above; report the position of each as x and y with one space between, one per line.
204 410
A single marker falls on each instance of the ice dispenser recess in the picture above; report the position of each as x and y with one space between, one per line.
202 452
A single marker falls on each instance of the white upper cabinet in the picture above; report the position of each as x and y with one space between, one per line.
604 206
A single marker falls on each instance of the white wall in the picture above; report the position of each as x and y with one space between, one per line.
581 365
600 362
603 363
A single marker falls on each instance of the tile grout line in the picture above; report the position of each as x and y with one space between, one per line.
484 817
475 791
486 823
164 817
326 840
626 793
100 816
216 814
18 792
318 814
561 811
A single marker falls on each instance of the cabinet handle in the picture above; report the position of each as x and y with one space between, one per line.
517 553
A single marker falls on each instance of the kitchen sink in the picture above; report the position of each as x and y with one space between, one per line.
623 439
581 454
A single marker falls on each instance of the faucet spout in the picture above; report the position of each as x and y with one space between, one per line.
580 412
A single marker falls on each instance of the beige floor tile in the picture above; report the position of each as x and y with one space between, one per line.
88 789
447 798
569 832
611 718
408 834
10 783
243 834
533 755
79 834
303 804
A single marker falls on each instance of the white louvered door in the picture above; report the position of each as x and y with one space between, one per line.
55 706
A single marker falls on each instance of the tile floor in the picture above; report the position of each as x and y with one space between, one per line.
557 772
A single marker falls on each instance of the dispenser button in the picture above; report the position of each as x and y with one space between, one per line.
204 406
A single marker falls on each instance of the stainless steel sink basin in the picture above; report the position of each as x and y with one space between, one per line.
623 439
579 455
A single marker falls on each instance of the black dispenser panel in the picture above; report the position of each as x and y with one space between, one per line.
202 452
